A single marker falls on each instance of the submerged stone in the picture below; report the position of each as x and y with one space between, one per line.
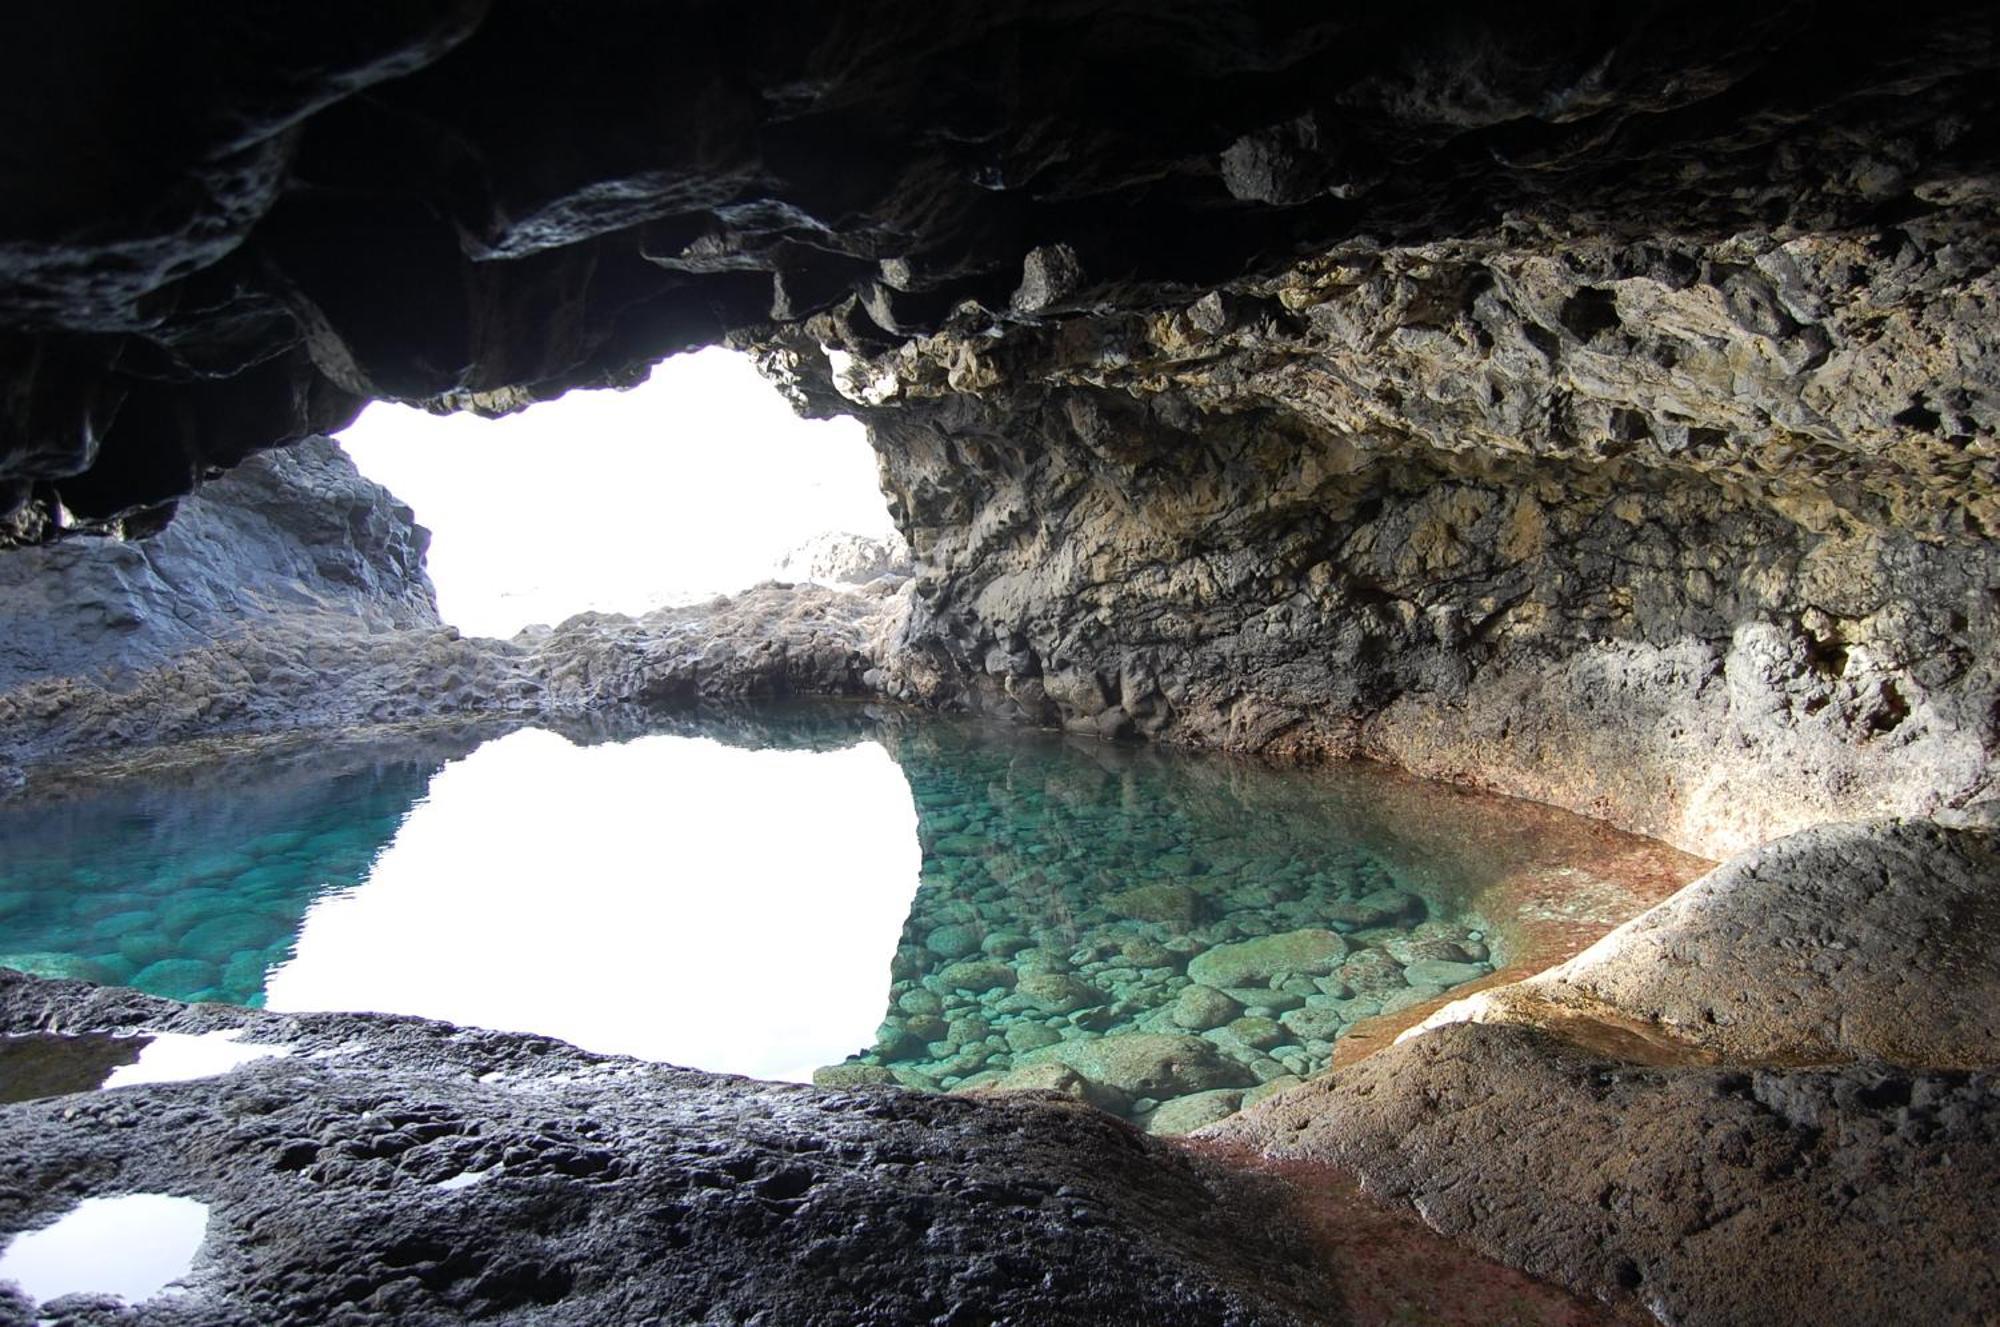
1199 1008
1147 1064
1197 1110
1311 952
953 941
1374 909
852 1075
973 975
1172 904
1058 992
1441 973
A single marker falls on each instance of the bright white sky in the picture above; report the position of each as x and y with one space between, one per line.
668 897
693 484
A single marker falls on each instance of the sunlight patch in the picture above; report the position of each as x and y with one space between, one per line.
698 482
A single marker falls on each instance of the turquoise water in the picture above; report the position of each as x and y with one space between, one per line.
873 898
193 886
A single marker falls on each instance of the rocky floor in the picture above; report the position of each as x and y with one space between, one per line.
394 1170
388 1169
1772 1098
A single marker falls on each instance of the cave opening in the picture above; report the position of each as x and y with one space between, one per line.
700 481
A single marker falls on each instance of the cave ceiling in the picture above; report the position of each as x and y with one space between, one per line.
227 232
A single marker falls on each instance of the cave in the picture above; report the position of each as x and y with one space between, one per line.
1589 406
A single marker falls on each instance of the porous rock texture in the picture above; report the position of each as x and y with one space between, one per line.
1593 402
1627 530
1717 1196
396 1170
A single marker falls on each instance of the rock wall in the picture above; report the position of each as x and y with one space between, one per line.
291 595
225 236
292 533
1691 536
1592 402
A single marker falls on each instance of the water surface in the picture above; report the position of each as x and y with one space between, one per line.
878 899
132 1246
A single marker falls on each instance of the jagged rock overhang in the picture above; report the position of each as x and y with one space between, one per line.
228 236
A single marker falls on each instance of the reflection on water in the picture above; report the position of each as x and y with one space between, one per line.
1164 935
178 1057
192 884
132 1246
668 897
44 1064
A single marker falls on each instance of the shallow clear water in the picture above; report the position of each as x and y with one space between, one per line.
931 902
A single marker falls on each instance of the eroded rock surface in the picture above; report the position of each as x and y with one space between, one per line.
395 1170
1843 942
1595 404
465 205
1662 533
1770 1099
1716 1196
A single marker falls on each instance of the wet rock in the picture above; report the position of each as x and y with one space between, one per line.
1058 992
917 1000
1437 972
972 975
1310 952
1371 972
1025 1037
1270 1087
1873 940
1644 1177
1313 1023
1255 1032
1199 1008
852 1075
324 1170
953 941
1049 1076
1175 905
1379 908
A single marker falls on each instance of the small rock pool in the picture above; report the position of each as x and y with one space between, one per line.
839 893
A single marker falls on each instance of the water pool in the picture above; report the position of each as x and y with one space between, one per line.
858 896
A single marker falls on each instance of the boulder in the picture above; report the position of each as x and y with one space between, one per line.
1197 1110
1199 1008
1311 952
1146 1064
